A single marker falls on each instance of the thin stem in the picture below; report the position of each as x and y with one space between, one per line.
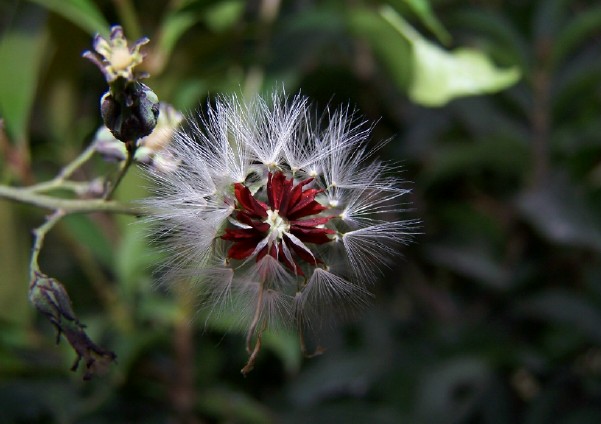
253 355
39 234
255 321
251 331
60 181
67 205
122 171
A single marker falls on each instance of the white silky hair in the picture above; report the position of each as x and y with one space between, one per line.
236 142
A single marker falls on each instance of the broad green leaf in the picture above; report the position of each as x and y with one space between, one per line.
440 76
22 52
83 13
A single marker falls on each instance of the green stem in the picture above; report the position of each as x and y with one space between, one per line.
60 181
122 171
67 205
39 234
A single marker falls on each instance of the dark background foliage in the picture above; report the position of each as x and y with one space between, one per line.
492 316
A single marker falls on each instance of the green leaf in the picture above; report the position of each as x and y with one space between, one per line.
172 28
224 14
440 76
88 234
13 265
286 345
82 13
502 34
232 406
578 30
392 52
423 10
22 53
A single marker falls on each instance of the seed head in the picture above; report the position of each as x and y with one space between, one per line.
274 216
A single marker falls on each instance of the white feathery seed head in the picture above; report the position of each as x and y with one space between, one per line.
277 216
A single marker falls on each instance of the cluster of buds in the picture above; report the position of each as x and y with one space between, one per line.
275 220
129 109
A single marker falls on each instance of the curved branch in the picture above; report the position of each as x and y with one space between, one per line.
68 205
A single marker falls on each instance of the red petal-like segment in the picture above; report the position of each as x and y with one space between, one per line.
293 203
248 202
242 249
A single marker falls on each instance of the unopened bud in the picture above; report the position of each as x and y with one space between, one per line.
130 113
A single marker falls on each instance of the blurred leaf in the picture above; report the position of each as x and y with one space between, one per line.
286 346
586 415
473 262
559 212
556 306
233 406
333 375
88 233
174 25
82 13
134 259
505 156
549 16
423 10
224 14
440 76
23 49
579 29
582 75
43 400
393 52
347 410
450 390
510 44
14 254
